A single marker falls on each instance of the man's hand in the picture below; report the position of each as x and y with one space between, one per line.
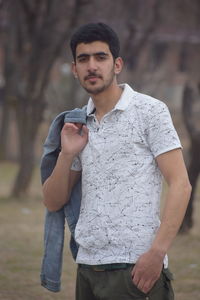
74 137
57 187
147 270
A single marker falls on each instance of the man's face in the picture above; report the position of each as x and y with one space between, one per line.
95 67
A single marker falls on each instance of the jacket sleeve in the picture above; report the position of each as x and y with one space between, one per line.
55 221
48 163
51 268
51 147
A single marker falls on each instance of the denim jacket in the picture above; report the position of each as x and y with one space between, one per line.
55 221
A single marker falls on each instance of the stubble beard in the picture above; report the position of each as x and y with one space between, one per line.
103 87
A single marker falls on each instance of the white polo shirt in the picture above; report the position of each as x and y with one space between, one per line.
121 182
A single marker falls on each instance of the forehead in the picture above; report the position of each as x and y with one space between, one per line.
91 48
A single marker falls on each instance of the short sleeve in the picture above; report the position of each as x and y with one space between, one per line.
76 164
162 136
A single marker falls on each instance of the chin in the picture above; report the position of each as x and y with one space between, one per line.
94 90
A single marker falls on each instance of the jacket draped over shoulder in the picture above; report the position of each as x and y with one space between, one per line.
54 227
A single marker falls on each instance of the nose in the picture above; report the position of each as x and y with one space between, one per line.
92 65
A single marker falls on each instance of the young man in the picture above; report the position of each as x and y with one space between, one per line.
128 143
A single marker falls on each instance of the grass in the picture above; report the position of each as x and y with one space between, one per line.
21 243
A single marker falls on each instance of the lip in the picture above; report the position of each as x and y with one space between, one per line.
92 77
92 80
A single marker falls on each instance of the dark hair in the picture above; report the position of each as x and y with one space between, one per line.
93 32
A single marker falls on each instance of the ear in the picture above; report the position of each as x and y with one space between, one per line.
118 65
73 68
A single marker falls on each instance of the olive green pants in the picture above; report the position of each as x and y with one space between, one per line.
118 285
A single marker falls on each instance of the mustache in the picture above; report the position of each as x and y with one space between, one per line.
92 74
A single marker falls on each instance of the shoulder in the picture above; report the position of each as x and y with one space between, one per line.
144 109
147 103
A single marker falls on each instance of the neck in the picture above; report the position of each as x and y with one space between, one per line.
106 101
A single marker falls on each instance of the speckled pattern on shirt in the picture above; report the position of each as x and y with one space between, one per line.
121 183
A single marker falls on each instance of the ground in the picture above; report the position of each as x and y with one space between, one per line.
21 245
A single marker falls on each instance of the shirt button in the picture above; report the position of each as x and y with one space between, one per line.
147 298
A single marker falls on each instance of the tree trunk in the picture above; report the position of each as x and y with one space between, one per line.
5 121
193 173
189 98
26 166
29 118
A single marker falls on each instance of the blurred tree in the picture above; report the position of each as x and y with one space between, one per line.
171 49
159 40
191 112
34 32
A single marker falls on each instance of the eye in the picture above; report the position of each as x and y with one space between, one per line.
101 57
82 59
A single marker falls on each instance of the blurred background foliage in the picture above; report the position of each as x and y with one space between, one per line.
160 44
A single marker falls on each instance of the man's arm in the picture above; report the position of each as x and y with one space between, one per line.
57 187
148 267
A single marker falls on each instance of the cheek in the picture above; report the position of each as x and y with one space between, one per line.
108 69
111 70
80 69
80 74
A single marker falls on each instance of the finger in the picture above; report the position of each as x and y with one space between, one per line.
135 279
85 130
136 274
141 285
78 125
70 126
147 287
133 271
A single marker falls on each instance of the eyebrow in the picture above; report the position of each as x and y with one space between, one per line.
92 54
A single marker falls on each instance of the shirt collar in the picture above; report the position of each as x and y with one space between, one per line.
123 102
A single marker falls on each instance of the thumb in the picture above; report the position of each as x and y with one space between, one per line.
133 271
85 131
